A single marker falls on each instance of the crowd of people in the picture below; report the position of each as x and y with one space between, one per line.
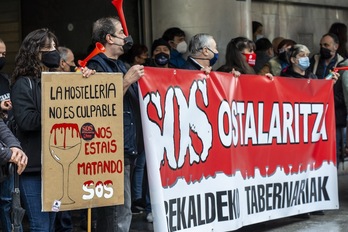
40 51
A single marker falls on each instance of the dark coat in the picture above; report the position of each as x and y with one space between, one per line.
289 72
26 102
8 140
191 65
133 136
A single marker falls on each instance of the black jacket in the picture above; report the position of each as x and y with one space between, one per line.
26 102
289 72
191 64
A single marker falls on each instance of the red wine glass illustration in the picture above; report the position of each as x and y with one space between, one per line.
65 146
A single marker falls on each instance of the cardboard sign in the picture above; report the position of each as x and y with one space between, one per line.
82 140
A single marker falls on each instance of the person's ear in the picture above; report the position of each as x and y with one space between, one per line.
62 64
205 51
108 39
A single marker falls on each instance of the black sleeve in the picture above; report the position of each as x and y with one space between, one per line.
8 140
7 137
94 65
26 110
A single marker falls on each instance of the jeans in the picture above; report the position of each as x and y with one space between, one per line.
30 187
117 218
6 188
138 176
340 142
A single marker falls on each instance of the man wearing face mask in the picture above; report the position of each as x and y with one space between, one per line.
322 65
109 32
67 60
203 53
176 39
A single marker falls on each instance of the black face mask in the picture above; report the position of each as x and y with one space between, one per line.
72 68
283 56
51 59
161 59
2 62
128 43
325 53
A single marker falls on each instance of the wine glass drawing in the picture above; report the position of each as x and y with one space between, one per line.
65 146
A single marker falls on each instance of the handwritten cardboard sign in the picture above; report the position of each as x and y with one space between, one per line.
82 140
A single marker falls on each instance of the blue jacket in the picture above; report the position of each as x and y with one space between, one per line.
133 139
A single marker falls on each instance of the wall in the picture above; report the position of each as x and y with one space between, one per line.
72 21
10 30
304 21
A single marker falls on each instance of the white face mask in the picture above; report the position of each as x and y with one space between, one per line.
259 36
182 47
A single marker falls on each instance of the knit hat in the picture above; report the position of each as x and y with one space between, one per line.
159 42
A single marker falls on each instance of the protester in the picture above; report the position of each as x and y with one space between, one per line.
280 62
138 54
299 63
340 30
161 54
160 50
109 32
240 56
257 28
176 40
37 53
322 65
6 186
203 53
275 43
264 52
67 64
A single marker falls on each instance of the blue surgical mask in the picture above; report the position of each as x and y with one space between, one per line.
213 60
303 63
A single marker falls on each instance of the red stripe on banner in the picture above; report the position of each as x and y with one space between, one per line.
216 123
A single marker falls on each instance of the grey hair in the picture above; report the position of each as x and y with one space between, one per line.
297 48
198 42
63 52
102 27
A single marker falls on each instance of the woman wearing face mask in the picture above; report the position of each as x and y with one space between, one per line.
299 63
240 56
37 54
160 50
